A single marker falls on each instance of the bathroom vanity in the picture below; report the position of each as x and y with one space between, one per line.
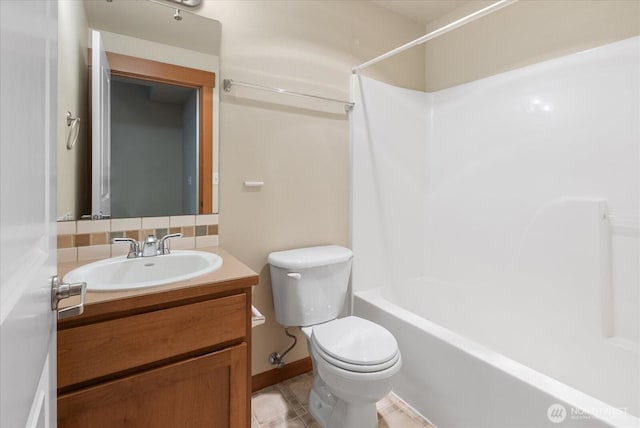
166 356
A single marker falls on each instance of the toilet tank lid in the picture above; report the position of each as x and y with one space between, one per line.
301 258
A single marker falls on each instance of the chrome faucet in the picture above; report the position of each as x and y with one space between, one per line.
150 247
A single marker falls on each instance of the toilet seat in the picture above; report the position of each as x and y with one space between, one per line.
360 368
355 344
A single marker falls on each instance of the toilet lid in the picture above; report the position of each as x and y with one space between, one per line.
303 258
356 341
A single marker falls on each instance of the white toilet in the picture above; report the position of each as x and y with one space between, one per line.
354 359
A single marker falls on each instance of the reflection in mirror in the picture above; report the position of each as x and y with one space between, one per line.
144 30
154 150
103 156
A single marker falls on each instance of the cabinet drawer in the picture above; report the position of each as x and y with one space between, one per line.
108 347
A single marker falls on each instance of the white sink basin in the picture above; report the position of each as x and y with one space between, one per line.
121 273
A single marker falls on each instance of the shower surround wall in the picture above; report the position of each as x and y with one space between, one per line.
496 231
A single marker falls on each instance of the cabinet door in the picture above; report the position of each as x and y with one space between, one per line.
207 391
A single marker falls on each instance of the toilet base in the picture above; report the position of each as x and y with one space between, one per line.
332 412
320 411
321 401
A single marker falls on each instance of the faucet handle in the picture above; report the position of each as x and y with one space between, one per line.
134 246
162 245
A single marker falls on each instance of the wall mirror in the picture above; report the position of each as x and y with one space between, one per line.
160 100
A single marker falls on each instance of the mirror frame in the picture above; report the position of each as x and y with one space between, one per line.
203 81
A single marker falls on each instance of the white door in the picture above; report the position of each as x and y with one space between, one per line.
28 61
100 129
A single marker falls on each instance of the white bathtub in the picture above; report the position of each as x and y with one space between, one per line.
455 382
495 231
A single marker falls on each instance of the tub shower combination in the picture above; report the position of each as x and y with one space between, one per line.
495 231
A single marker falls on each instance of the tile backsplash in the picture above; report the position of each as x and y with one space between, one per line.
91 239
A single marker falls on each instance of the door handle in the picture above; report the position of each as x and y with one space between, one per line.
61 291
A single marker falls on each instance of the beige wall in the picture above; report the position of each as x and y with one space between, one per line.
72 77
302 155
524 33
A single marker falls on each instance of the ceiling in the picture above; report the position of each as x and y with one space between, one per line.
421 11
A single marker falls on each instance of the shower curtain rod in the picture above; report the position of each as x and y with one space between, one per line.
440 31
228 83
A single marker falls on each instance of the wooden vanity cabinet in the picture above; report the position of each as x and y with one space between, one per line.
175 360
199 392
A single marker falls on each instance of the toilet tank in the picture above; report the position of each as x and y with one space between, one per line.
309 285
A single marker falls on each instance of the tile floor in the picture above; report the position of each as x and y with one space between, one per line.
285 406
